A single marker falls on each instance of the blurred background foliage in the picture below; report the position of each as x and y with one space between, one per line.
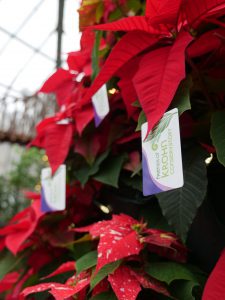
24 175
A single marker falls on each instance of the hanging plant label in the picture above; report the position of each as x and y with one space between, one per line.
101 104
161 155
53 189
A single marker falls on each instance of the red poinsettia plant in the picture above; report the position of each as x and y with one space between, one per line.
153 56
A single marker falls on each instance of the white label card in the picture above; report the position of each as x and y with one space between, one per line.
100 103
161 155
53 189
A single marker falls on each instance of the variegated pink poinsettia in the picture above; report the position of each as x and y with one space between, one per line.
121 239
124 236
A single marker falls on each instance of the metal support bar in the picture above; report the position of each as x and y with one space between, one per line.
60 33
12 35
23 24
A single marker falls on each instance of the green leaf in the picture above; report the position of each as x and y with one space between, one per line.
181 99
83 172
214 85
137 171
115 14
170 271
105 296
135 182
180 206
106 270
134 5
80 249
136 104
184 290
152 214
109 173
87 261
32 280
217 133
95 54
8 262
99 12
141 120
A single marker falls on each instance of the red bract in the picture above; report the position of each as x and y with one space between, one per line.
62 84
80 281
215 288
14 294
83 116
138 23
195 14
160 72
88 147
124 284
8 281
31 195
127 283
80 61
55 139
149 282
124 236
39 258
65 267
165 244
207 42
128 138
2 243
60 291
117 239
185 11
162 69
123 51
133 164
165 12
103 286
21 227
84 195
128 92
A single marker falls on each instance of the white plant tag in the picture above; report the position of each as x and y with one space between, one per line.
161 155
53 189
100 103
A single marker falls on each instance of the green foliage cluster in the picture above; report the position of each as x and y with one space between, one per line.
24 175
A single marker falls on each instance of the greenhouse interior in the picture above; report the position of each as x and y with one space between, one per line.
112 149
